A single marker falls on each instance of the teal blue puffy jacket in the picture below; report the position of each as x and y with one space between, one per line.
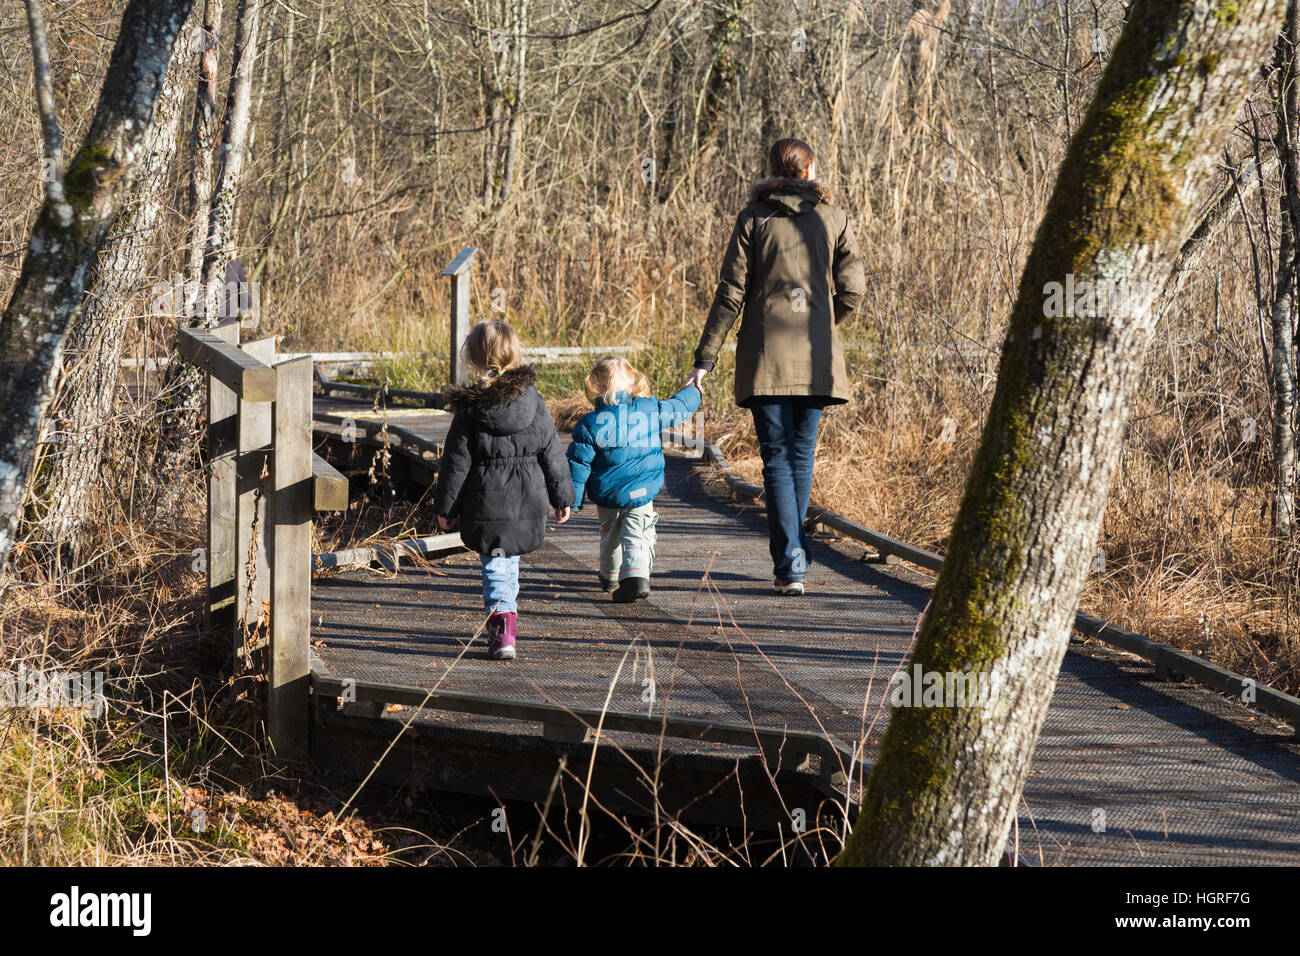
617 457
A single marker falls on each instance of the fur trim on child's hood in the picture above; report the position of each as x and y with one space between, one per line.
504 388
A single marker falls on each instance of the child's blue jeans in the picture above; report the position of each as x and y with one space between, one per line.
500 583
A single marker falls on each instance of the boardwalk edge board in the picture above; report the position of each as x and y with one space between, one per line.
779 747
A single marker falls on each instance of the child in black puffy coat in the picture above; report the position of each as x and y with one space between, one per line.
503 472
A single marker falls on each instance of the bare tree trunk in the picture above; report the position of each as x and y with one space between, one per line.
67 237
184 385
204 151
230 169
92 360
515 96
948 780
1283 377
52 140
670 125
724 65
492 68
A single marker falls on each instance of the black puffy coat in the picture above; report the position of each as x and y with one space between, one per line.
503 469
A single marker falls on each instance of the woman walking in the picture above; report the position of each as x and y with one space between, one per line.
791 273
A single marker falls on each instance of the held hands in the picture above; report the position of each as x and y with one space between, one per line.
697 379
562 514
446 524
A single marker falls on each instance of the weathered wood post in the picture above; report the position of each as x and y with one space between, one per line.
222 432
253 540
237 382
459 271
289 697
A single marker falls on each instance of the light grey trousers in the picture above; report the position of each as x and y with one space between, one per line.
627 541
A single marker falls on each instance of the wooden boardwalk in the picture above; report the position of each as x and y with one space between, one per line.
1129 770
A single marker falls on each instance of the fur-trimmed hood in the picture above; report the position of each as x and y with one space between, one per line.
502 390
789 192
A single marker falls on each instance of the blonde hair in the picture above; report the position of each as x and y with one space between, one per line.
614 374
492 347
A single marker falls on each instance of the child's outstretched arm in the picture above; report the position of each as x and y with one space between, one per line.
675 410
582 452
453 469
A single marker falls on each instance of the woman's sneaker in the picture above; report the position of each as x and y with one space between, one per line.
606 584
501 636
782 586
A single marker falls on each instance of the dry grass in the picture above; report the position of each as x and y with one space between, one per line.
585 254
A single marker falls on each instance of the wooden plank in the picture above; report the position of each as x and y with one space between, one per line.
253 481
289 694
422 399
329 486
435 544
769 739
398 436
222 431
701 788
242 373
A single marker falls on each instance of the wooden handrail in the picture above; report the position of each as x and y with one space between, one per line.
249 379
329 486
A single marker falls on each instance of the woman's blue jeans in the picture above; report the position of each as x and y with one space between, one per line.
787 439
500 583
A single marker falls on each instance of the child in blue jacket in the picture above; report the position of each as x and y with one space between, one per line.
617 460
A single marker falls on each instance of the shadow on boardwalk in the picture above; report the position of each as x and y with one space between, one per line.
1127 770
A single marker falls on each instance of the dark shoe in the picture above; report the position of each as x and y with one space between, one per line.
781 586
606 584
630 589
501 636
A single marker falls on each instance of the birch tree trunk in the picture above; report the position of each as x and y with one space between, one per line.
948 780
204 140
1283 369
83 407
230 168
204 296
67 237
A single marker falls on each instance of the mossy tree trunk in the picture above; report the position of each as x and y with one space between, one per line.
65 497
948 779
66 241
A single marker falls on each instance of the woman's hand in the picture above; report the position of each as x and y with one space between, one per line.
562 514
446 524
697 378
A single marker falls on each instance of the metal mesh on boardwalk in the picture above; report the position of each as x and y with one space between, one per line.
1174 773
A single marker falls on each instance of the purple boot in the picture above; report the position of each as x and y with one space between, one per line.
501 636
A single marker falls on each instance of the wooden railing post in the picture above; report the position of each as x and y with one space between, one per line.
291 516
459 271
222 442
252 467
